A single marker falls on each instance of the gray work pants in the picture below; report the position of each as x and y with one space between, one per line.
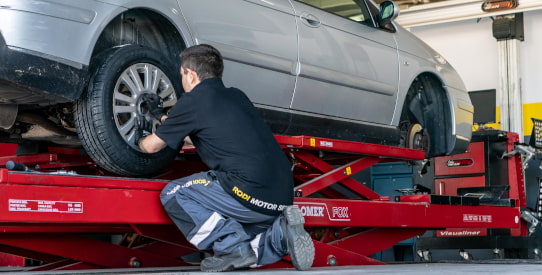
210 218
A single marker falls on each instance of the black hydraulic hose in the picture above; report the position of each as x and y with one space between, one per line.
11 165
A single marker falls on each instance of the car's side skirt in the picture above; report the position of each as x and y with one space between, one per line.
295 123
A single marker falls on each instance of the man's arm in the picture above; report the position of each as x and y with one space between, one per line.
152 144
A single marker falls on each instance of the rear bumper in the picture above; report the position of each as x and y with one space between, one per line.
27 78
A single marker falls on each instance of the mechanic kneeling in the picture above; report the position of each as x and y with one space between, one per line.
242 208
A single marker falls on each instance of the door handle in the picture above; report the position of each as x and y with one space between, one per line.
310 20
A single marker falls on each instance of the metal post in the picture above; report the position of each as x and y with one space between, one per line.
509 92
502 92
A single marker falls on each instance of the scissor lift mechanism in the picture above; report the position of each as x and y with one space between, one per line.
61 218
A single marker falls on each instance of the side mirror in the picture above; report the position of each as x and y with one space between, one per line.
389 10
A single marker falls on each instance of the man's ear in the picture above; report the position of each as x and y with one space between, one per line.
193 77
188 75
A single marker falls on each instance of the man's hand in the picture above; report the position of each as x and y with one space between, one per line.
143 128
155 107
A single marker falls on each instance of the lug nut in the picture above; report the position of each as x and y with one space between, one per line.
134 262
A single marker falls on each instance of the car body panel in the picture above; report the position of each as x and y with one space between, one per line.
348 69
60 30
261 44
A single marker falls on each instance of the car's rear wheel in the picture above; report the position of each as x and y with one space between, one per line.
105 115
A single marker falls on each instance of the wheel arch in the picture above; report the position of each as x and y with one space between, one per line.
438 117
144 27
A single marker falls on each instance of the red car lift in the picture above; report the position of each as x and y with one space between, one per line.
61 218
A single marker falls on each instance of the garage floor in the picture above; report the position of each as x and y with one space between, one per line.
483 267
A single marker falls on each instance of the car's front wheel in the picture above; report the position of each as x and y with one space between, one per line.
105 116
425 119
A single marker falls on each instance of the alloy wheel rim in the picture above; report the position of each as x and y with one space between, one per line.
134 82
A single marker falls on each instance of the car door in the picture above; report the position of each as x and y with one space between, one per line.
258 40
349 68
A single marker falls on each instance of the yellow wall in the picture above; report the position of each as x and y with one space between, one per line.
532 110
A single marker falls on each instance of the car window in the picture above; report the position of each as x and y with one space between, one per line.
345 8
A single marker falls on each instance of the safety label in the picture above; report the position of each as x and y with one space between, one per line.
324 143
18 205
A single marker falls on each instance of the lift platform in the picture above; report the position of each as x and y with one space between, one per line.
73 215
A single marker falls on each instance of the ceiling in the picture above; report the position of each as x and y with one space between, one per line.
405 4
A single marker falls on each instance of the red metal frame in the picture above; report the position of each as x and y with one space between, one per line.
43 216
447 184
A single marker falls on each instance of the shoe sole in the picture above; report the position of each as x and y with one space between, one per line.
245 264
300 245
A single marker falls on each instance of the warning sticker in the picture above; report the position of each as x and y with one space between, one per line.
16 205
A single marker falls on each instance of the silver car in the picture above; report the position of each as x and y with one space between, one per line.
78 72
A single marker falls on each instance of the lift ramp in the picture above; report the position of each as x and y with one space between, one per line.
92 220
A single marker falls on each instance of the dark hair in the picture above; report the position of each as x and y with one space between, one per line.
203 59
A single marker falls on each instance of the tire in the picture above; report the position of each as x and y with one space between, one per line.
105 113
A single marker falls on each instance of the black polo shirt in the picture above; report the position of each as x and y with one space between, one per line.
231 138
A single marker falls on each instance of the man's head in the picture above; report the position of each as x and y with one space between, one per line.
199 63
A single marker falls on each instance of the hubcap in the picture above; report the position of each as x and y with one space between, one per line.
133 86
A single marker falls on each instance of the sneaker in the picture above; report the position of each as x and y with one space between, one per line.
241 257
298 241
